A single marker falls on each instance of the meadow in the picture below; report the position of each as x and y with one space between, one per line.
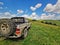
39 34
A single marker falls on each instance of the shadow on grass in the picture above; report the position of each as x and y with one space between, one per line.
14 39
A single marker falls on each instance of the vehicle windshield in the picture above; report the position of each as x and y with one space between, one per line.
18 20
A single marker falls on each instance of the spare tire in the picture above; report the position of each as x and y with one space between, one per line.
7 27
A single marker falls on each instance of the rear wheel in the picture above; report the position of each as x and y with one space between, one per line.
6 27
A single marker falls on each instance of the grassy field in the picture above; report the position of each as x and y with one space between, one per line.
39 34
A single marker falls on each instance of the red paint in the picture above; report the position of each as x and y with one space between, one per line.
17 31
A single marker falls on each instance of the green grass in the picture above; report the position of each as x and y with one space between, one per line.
39 34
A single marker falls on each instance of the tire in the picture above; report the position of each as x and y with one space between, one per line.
7 27
25 32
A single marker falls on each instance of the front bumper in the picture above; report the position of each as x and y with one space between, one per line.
14 36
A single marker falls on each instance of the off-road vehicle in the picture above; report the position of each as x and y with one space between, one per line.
14 28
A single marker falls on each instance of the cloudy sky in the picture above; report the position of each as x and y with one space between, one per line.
33 9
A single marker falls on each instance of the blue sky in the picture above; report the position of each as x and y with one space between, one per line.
13 5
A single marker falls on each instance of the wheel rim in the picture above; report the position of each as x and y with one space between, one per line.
4 29
25 33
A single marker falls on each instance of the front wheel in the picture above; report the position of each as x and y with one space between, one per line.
25 32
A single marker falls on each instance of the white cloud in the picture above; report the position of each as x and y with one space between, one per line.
25 15
36 6
20 11
32 16
48 17
6 15
53 8
32 8
1 3
49 8
43 16
57 7
58 17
